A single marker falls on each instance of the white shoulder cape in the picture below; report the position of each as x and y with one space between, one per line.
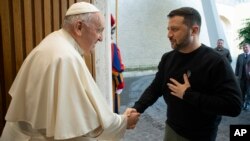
55 91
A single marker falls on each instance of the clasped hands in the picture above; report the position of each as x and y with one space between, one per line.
132 117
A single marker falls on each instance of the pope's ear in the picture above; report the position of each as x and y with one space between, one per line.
78 27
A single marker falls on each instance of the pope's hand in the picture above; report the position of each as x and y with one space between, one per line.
132 117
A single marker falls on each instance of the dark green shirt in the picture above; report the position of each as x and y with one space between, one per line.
224 52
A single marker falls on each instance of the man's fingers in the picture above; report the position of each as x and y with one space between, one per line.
174 81
171 87
186 81
185 77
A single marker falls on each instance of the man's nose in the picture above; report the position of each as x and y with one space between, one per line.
169 34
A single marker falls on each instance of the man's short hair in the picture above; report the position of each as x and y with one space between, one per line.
220 40
191 16
246 44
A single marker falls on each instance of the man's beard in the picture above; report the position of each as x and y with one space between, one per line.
183 43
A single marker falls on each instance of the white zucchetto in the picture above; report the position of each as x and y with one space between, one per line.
80 8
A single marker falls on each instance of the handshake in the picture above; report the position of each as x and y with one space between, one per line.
132 117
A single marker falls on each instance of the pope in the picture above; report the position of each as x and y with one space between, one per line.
54 96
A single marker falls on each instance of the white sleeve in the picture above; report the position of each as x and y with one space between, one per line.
116 130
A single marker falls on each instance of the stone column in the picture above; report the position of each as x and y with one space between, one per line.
103 62
214 27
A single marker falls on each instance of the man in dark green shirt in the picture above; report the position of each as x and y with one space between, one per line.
222 50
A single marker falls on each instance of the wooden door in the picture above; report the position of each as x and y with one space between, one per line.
23 24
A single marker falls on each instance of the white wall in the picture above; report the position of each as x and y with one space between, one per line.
142 29
232 20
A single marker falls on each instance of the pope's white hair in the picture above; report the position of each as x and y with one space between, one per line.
71 19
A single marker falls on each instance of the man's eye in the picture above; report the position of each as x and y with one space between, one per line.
174 29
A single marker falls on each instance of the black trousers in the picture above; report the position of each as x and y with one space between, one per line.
245 88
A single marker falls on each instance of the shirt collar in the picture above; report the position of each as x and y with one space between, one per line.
219 48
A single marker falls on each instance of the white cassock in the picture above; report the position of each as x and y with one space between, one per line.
54 97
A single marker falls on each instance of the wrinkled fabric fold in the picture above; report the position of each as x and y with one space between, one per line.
55 91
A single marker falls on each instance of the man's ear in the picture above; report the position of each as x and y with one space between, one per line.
195 30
